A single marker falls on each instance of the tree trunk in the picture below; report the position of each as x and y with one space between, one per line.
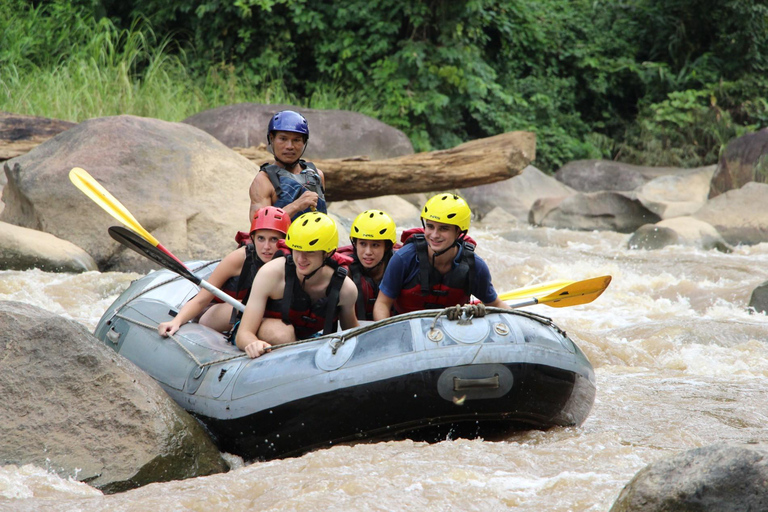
473 163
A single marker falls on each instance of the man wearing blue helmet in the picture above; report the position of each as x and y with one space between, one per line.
289 183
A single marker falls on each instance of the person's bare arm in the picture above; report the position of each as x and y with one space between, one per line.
498 303
230 266
347 300
383 307
268 279
262 194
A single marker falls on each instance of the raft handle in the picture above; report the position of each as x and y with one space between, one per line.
460 384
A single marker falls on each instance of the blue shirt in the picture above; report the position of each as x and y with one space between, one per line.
404 266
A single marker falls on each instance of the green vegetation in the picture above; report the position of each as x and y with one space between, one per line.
658 82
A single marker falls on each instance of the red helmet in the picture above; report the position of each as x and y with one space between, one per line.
271 217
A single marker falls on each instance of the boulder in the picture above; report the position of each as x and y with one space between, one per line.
598 175
745 159
758 301
332 133
22 249
741 215
677 195
402 212
79 409
515 195
718 477
601 211
185 187
678 231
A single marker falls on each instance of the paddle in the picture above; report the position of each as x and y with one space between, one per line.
536 290
101 196
572 294
133 241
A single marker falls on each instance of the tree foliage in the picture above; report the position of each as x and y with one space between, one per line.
648 81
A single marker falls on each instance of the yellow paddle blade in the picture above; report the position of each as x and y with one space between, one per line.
101 196
580 292
535 290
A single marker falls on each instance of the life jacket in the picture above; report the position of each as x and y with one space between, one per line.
239 287
430 289
289 186
367 288
296 307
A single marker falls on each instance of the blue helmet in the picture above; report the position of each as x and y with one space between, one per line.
288 121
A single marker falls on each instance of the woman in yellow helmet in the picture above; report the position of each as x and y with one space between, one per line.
373 237
307 292
439 268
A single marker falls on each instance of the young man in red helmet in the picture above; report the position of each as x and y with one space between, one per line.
234 274
303 294
289 183
439 268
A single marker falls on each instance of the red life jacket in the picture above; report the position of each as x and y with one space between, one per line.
296 307
430 289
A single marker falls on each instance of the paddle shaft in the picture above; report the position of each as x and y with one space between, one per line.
135 242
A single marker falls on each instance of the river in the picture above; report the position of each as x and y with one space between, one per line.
680 363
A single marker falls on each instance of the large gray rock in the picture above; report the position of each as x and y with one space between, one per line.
601 211
75 406
759 298
515 195
741 215
745 159
677 195
678 231
716 478
597 175
402 212
22 249
332 133
185 187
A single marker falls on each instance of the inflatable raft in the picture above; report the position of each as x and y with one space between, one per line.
419 376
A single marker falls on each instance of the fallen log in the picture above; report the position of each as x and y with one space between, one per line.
20 134
473 163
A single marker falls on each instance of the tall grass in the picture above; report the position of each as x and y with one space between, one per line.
57 61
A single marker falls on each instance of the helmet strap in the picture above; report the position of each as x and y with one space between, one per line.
326 261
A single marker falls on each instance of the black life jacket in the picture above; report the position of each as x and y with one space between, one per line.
367 290
289 186
296 307
239 286
430 289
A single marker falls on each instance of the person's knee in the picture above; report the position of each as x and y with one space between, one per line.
274 331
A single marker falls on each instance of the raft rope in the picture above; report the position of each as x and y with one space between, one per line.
462 314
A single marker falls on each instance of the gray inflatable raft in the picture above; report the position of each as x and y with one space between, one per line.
418 376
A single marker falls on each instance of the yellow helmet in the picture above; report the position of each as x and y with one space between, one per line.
373 225
313 231
448 209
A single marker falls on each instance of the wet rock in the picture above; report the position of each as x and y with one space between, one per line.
677 195
85 412
678 231
332 133
758 301
745 159
601 211
515 195
598 175
22 249
716 478
181 184
651 237
740 216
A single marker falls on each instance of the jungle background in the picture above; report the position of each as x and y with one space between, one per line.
651 82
